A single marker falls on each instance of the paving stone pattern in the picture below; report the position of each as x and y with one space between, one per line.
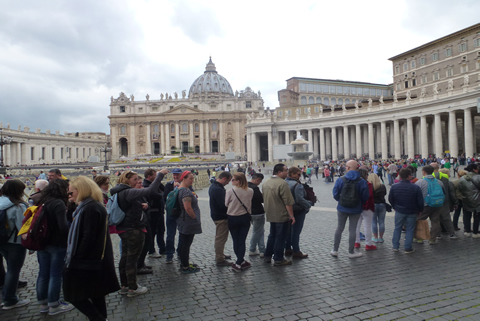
437 282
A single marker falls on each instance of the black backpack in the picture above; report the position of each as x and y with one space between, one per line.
349 196
310 194
5 230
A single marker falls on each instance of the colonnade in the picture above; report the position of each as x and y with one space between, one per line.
421 135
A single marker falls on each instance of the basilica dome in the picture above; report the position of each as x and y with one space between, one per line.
210 82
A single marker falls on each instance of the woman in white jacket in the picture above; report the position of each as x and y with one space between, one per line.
12 249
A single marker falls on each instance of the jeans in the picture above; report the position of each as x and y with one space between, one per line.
434 214
14 254
170 241
467 221
352 229
95 309
390 179
239 227
186 243
456 215
409 221
378 224
276 240
366 215
221 237
294 231
51 261
157 226
258 233
132 245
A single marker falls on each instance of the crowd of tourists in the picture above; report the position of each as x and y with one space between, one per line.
77 253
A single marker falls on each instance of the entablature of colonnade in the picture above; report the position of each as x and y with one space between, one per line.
368 113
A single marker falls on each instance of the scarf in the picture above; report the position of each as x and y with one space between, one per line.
72 241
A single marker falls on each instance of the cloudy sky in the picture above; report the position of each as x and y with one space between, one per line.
60 61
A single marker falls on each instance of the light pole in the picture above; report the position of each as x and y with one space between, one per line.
105 150
3 141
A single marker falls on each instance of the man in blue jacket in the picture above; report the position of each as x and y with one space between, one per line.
407 201
218 212
351 192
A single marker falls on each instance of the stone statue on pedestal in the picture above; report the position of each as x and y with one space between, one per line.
161 96
423 93
465 80
409 95
435 89
176 95
450 84
111 99
381 100
132 97
297 112
370 102
184 93
356 104
148 97
395 97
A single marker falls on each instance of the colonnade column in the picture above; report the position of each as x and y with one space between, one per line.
467 123
340 149
371 149
191 143
221 136
358 140
310 141
270 146
438 135
322 144
133 143
254 147
148 150
410 147
423 136
161 138
346 145
383 128
334 144
249 147
328 143
315 143
396 139
452 134
167 138
202 143
177 135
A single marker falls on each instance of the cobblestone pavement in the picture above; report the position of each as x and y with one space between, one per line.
438 282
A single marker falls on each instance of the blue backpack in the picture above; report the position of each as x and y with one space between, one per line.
435 196
172 205
115 213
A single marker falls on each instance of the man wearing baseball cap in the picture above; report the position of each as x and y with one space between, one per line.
171 222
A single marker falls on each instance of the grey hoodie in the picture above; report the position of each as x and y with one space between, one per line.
15 217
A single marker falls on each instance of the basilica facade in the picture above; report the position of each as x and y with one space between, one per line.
430 109
211 119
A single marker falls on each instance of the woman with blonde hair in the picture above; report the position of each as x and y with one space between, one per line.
238 200
89 273
378 222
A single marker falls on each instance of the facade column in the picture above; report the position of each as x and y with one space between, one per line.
238 139
340 141
334 144
322 144
358 140
410 146
221 135
474 136
208 145
191 136
19 153
249 146
162 138
177 135
396 139
346 144
132 150
270 145
202 137
7 155
424 137
438 136
365 147
148 149
383 128
371 147
467 123
310 142
452 134
353 141
315 144
378 140
113 139
167 138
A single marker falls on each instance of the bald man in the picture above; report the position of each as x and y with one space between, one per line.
351 192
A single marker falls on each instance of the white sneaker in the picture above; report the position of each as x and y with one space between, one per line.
20 303
467 234
334 253
355 255
476 236
154 255
253 253
61 308
138 291
262 255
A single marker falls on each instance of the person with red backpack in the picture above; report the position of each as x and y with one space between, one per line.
12 208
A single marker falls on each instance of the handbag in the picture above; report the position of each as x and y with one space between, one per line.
241 202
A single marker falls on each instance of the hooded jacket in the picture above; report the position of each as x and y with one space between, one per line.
298 192
468 187
362 192
130 201
14 216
